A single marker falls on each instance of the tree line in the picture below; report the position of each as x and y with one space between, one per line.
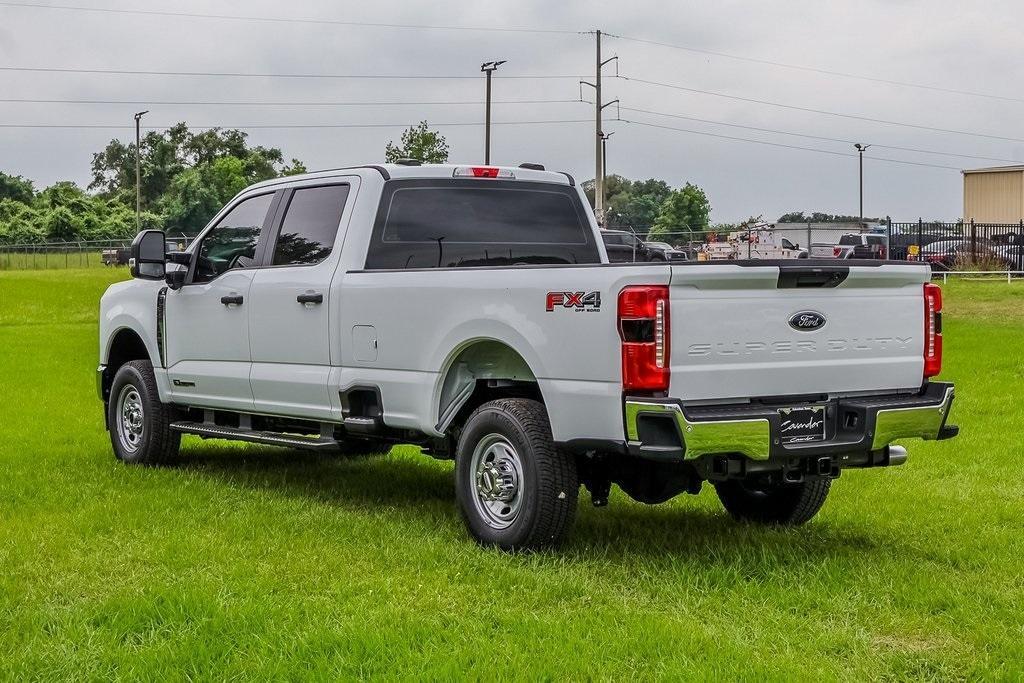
186 177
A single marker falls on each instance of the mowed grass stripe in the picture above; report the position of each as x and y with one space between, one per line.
247 562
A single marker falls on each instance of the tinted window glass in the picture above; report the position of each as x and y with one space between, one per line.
451 223
848 240
232 242
612 239
875 240
310 225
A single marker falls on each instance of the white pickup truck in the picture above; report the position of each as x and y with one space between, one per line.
472 311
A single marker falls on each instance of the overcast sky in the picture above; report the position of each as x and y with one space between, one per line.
954 45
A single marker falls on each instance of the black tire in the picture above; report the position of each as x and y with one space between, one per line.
546 482
146 438
785 504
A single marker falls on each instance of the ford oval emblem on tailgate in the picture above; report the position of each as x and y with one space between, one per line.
807 321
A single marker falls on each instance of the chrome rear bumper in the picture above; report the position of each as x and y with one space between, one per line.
862 426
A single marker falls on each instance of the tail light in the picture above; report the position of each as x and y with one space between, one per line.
932 330
836 251
644 328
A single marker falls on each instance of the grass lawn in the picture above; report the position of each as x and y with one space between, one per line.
249 562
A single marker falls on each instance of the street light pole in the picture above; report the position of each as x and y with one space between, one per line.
138 169
860 153
488 68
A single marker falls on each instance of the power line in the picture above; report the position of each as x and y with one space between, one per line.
292 20
818 70
780 144
856 117
502 29
818 137
103 126
240 103
238 74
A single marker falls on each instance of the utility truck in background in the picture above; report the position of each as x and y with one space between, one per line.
472 311
757 242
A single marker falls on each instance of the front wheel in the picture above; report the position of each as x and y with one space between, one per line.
784 504
515 490
140 425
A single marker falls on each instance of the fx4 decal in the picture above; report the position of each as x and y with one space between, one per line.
578 301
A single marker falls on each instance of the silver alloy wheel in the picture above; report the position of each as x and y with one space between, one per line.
130 418
497 481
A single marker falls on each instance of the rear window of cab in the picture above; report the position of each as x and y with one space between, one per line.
462 223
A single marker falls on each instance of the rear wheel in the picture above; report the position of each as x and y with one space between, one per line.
787 504
515 489
139 423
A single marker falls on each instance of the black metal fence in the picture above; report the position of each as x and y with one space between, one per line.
958 246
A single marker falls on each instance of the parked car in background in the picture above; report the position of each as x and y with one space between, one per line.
945 254
625 247
1013 254
854 245
663 251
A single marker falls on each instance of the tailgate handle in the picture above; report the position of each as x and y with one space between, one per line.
804 276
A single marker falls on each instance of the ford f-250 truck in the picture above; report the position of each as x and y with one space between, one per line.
472 311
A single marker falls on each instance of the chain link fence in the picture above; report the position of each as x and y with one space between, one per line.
84 254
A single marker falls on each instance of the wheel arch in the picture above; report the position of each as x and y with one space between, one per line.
126 344
479 370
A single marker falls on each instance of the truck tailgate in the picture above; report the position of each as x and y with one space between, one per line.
756 330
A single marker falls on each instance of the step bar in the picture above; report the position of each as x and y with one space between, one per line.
210 431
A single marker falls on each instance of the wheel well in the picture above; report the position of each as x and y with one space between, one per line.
483 371
126 346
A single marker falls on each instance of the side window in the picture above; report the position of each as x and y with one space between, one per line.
232 242
786 244
310 225
613 240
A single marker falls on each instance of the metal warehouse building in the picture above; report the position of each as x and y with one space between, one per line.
994 195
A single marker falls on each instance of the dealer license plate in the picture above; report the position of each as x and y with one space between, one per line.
800 425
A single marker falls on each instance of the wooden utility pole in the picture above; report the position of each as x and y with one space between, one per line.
599 106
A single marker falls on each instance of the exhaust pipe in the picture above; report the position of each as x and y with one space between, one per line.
895 455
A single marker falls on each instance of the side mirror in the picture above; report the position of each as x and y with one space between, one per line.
147 261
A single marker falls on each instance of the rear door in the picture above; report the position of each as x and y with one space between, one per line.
289 316
740 331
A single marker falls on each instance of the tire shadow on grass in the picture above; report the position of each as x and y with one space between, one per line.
424 488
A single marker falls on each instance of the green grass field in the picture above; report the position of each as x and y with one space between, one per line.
247 562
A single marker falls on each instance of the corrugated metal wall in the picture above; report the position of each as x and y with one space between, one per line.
994 197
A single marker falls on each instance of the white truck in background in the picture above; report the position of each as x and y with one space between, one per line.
472 311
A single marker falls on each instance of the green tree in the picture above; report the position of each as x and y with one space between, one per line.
167 154
420 143
17 188
686 209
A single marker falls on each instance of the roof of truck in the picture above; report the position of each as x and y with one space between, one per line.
410 171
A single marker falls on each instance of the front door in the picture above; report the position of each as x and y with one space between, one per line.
291 303
207 324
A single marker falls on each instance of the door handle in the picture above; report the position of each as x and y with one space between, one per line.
316 298
233 299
